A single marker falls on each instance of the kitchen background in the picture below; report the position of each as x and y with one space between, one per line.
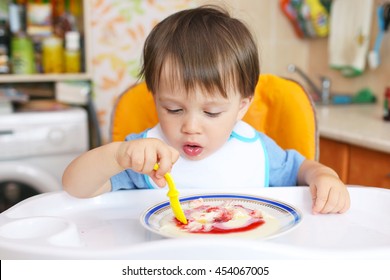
108 45
116 57
116 30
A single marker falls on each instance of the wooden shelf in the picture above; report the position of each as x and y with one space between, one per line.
11 78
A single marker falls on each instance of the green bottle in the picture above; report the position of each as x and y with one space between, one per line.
22 51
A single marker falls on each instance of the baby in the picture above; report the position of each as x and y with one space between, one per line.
202 66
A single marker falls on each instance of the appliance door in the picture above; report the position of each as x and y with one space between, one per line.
19 181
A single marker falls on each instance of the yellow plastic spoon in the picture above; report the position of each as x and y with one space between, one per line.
173 195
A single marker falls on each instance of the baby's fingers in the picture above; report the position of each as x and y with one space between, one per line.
161 182
167 157
338 200
330 200
319 197
345 203
334 202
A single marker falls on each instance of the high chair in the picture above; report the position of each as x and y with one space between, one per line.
281 109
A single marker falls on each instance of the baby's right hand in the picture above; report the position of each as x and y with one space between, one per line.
141 155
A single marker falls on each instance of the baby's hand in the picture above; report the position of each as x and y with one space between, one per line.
329 195
328 192
142 154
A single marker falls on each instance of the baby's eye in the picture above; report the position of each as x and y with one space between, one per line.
174 111
212 115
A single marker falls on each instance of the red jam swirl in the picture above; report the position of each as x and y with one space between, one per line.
222 216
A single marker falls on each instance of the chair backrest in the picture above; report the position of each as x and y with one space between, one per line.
281 109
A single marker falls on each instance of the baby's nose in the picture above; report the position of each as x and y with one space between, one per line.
191 125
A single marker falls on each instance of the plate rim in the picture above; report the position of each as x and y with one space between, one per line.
291 209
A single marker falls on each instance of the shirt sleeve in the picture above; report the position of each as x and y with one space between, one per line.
129 179
283 164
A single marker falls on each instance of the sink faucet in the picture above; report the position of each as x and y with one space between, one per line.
323 94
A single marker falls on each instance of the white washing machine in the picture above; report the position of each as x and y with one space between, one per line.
35 148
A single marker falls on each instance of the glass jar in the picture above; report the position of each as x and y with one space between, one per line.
52 55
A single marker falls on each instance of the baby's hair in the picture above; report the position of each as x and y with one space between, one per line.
202 47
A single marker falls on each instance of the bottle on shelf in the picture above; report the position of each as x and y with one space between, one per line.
4 47
52 55
22 50
39 19
65 21
72 52
44 36
386 105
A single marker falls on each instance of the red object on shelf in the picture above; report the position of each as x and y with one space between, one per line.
290 13
386 115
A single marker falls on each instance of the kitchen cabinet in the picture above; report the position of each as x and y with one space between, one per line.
86 75
335 155
368 167
45 85
356 165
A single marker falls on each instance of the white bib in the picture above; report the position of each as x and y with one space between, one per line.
240 163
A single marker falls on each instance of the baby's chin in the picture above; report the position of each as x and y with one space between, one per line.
194 158
200 156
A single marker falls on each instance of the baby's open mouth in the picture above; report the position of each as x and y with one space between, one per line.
192 150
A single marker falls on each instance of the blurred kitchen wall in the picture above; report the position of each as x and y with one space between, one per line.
376 80
120 27
278 45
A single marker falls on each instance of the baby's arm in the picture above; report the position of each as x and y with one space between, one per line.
89 174
328 192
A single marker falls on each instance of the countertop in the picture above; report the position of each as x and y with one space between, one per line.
357 124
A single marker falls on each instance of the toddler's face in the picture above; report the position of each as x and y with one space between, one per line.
198 124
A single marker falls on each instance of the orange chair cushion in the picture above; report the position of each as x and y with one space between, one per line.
283 110
134 112
280 108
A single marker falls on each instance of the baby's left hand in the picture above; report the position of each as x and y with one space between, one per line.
328 192
329 195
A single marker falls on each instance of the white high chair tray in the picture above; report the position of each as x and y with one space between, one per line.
58 226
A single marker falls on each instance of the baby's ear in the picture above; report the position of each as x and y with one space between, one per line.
245 103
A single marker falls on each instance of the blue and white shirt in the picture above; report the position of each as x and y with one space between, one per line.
248 159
